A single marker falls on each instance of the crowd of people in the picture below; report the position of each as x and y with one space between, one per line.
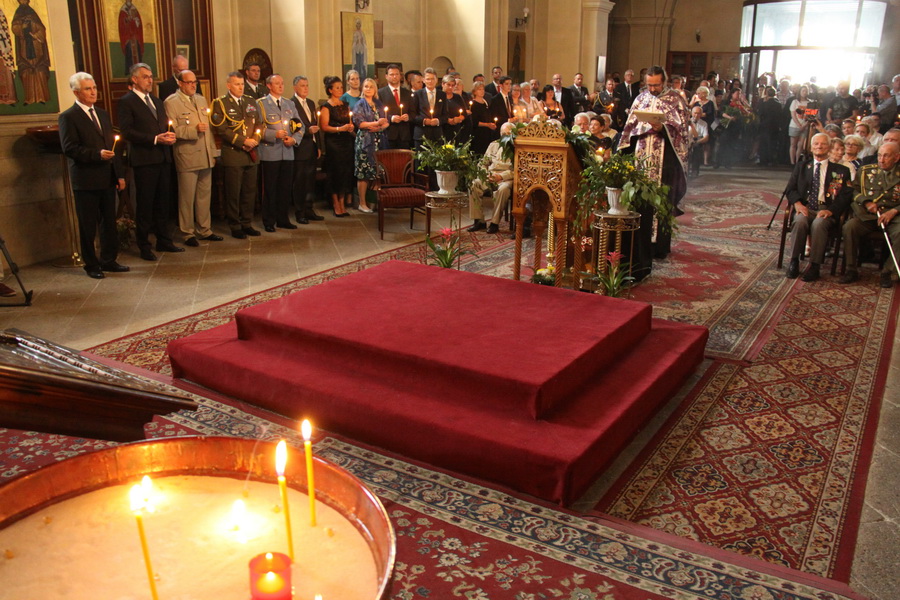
272 141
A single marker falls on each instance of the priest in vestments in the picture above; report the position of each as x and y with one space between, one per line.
663 147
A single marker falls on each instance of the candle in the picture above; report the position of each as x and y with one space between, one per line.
170 125
280 462
401 108
460 112
115 141
306 430
270 577
140 501
239 520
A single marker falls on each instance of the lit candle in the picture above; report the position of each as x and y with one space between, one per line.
470 104
495 119
306 430
270 577
170 125
239 520
140 501
401 108
280 463
432 113
115 141
460 112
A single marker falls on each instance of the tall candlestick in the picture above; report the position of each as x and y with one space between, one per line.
280 463
306 430
139 502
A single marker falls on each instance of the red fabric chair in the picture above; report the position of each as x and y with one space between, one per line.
401 187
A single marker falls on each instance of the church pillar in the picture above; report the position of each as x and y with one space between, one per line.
594 38
647 39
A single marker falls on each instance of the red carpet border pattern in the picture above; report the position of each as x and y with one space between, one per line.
457 539
770 459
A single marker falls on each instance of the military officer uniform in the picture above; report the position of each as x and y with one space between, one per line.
235 120
278 159
873 184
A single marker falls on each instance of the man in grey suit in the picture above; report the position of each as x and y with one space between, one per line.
281 131
306 154
194 159
235 119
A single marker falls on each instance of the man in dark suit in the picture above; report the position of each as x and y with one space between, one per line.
624 94
170 85
430 110
142 120
565 99
820 192
235 120
500 107
253 87
491 89
306 154
393 96
96 172
580 94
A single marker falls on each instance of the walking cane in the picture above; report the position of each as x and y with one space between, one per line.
888 240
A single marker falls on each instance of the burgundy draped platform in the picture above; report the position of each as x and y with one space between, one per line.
532 387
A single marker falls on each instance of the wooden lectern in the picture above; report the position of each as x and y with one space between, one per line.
547 172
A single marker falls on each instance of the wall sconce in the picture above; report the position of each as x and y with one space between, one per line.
697 35
524 20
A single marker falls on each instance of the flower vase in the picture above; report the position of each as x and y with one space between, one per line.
446 181
613 195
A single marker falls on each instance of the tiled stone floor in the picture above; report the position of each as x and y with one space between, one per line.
74 310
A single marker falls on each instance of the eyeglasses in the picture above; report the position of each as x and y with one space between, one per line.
194 81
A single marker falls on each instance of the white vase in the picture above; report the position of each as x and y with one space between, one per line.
615 207
446 181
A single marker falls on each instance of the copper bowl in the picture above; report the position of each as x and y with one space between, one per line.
210 456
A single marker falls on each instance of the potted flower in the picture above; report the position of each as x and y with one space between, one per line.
455 164
614 280
447 250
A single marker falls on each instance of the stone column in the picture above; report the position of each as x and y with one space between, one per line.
594 38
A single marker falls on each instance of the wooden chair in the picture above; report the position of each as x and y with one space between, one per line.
401 187
835 241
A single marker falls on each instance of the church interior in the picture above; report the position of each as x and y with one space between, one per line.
199 291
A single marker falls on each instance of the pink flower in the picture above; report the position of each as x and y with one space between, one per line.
446 232
614 258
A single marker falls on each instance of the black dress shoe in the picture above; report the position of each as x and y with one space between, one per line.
477 226
287 225
849 277
793 270
493 228
212 238
811 273
114 267
270 228
312 216
147 254
303 221
192 242
886 281
239 234
95 273
251 231
168 247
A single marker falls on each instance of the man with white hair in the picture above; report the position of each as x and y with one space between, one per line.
501 175
876 205
86 134
820 192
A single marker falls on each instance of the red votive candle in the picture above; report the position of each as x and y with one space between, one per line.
270 577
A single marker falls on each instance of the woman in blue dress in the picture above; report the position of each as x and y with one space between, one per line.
370 121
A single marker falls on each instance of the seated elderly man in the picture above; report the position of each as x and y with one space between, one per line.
820 192
501 174
877 203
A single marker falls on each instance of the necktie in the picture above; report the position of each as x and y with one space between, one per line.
397 97
305 106
151 106
94 119
278 103
814 188
431 99
509 106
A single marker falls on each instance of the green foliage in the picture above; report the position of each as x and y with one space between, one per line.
447 250
616 280
442 155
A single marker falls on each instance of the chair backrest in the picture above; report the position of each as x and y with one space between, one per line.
396 165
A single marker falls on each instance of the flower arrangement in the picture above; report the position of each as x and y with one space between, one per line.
124 227
615 281
737 110
442 155
447 250
545 276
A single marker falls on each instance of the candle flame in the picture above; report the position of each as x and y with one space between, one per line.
280 457
269 556
136 496
318 596
306 430
115 137
238 514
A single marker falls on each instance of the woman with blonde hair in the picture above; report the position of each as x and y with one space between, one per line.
370 121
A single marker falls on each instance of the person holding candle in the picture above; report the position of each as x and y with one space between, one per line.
144 125
282 130
483 124
306 154
501 106
235 120
430 110
334 120
398 101
529 103
194 153
96 172
370 122
552 108
456 111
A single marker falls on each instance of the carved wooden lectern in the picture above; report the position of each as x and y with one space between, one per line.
548 173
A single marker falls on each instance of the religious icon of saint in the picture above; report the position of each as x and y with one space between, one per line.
131 34
7 63
360 51
32 53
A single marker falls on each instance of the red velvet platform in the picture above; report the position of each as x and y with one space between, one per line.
533 387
